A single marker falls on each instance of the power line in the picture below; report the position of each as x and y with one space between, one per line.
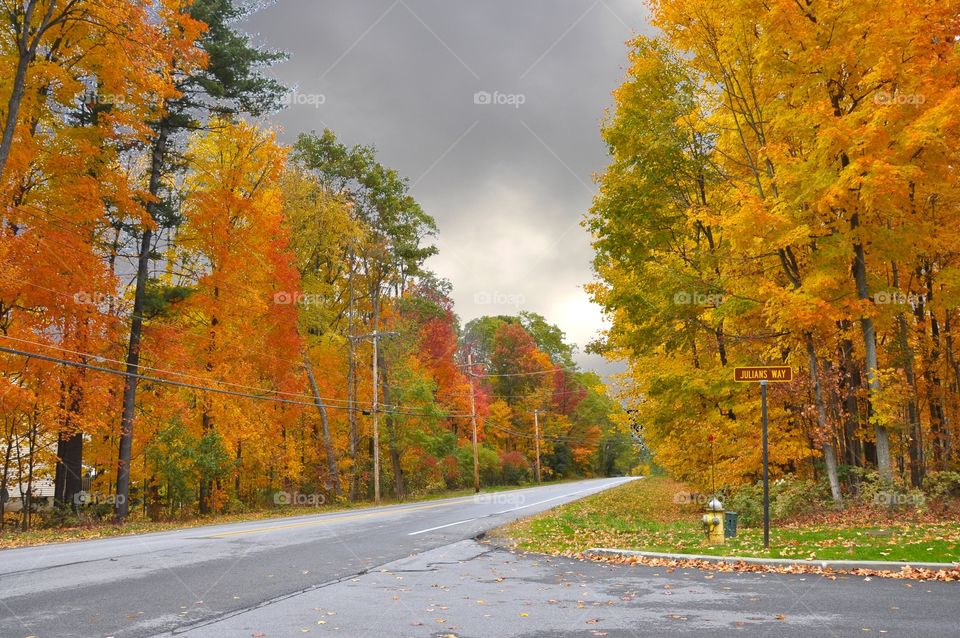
522 396
530 436
181 331
189 276
522 374
164 371
191 386
186 333
345 402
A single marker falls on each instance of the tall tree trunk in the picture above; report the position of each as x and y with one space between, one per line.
934 382
825 434
721 344
334 476
913 416
13 107
68 478
239 466
27 503
953 384
870 351
851 385
136 328
206 482
68 473
392 433
207 421
834 402
5 477
26 47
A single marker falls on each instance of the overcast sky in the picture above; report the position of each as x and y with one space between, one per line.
492 109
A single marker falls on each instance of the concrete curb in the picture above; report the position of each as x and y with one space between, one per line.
838 565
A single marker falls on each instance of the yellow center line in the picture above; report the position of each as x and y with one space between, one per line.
337 519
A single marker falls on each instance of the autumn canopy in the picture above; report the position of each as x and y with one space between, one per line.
783 192
186 302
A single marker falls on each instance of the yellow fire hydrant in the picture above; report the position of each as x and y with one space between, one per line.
713 522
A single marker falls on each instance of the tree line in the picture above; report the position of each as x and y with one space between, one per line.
783 191
187 304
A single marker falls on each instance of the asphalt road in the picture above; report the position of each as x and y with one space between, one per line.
152 584
472 590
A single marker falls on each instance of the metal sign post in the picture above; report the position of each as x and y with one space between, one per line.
766 473
765 375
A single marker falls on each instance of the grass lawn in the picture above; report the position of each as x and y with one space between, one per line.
137 524
642 515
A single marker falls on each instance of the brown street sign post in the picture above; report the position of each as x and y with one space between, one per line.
764 375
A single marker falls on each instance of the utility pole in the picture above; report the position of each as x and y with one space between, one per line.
473 424
536 438
375 337
352 388
376 425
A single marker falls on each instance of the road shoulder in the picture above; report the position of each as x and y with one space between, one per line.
468 589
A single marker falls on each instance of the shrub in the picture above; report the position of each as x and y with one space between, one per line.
487 459
873 491
515 468
61 516
423 472
747 502
942 484
451 471
233 505
788 497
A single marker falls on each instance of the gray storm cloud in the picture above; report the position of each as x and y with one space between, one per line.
491 109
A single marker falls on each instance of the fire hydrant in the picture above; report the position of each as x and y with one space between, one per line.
713 522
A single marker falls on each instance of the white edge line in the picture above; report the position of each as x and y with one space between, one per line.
424 531
514 509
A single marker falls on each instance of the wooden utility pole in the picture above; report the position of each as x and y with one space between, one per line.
536 439
352 388
473 424
376 425
375 337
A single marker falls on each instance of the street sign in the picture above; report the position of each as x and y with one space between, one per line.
764 375
773 374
